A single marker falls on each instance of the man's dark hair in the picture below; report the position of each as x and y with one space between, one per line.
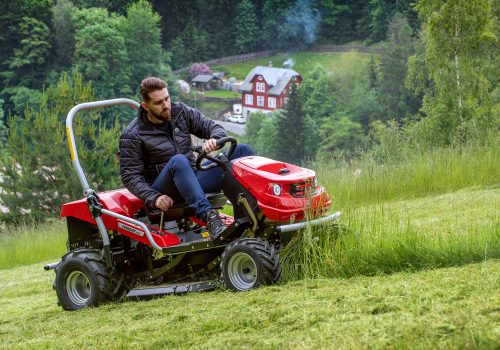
151 84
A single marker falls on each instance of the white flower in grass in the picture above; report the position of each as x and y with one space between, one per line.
357 173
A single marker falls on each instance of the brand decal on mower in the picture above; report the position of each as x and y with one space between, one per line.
130 229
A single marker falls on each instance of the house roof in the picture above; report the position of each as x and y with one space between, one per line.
276 78
204 78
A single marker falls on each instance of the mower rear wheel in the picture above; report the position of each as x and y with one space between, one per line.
250 263
82 280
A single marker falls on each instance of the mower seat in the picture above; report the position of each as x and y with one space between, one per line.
182 210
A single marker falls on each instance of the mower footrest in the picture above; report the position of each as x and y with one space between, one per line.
200 244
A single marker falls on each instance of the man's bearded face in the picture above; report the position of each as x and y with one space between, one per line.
159 105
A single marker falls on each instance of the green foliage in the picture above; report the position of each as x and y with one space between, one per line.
247 30
142 35
100 52
341 137
38 175
33 50
272 18
342 94
295 131
64 31
339 20
24 98
47 33
24 27
395 99
267 137
461 58
317 95
252 128
190 46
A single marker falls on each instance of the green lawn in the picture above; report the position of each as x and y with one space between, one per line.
222 94
304 63
452 308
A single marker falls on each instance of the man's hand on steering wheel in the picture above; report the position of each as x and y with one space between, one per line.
209 146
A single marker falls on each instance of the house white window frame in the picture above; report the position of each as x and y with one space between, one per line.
249 99
271 102
260 101
260 87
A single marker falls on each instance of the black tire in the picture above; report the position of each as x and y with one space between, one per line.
250 263
82 280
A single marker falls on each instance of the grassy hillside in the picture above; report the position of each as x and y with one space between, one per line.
415 265
453 308
303 63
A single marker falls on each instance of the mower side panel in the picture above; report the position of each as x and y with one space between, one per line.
136 233
119 201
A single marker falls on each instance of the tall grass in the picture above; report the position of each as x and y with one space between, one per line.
441 170
405 215
379 240
29 244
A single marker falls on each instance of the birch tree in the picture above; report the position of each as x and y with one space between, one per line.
461 46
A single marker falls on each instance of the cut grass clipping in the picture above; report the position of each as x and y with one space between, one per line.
452 308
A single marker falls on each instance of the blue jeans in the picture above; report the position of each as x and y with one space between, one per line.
183 184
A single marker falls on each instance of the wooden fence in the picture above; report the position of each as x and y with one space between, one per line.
233 59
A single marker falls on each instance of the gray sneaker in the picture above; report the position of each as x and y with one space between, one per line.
215 225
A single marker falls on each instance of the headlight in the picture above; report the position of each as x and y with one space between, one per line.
315 182
276 189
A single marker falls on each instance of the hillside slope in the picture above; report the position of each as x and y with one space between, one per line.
444 308
302 62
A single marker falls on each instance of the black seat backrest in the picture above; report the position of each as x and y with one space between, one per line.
182 210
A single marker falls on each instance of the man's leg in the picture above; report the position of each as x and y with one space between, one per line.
178 180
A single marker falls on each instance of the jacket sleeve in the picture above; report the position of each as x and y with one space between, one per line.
201 126
132 169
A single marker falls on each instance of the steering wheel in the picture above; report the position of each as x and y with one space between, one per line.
215 161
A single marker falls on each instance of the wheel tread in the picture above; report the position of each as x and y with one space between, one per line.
267 253
104 278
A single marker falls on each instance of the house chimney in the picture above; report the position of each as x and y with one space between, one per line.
270 63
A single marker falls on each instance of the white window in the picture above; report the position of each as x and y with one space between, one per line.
249 99
260 101
260 87
271 102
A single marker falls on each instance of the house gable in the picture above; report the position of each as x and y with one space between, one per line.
265 88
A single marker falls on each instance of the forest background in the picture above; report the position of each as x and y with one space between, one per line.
434 85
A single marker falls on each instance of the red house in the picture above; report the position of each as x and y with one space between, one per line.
265 88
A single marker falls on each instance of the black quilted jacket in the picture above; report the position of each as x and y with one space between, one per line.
144 150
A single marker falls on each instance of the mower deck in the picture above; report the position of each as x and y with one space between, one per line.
148 293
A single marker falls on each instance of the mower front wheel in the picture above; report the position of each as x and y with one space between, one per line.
82 280
250 263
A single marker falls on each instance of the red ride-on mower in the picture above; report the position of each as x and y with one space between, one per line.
118 248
